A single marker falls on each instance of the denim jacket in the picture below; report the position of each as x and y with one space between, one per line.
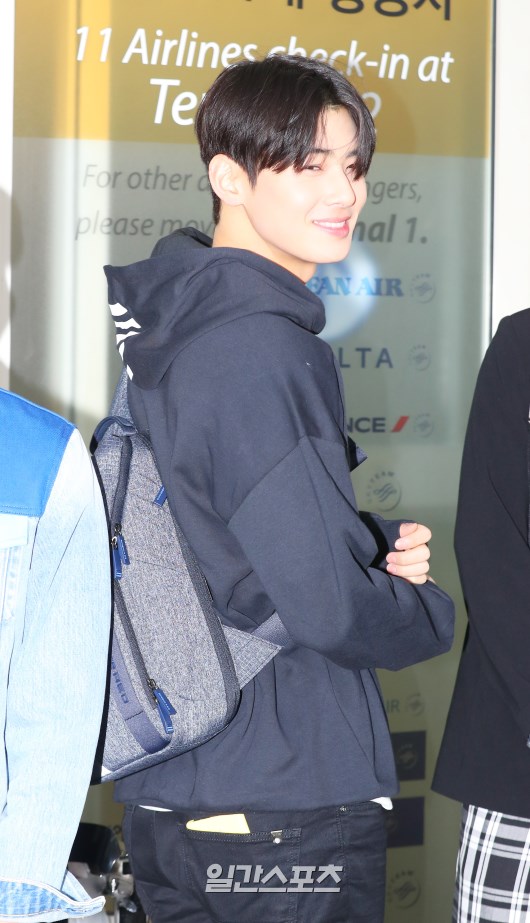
54 636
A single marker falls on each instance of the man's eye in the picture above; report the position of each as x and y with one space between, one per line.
312 166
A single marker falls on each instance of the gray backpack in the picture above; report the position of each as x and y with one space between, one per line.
175 670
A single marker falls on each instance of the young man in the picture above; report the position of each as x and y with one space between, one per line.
54 639
484 760
244 406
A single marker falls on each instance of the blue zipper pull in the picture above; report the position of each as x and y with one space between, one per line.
123 549
165 714
116 559
161 497
165 707
120 554
165 700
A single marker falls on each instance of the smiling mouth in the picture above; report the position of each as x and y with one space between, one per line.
341 227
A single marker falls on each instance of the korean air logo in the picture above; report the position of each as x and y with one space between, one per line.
348 290
352 289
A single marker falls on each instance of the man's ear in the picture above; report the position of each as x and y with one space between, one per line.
228 179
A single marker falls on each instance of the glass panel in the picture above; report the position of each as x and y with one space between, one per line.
105 163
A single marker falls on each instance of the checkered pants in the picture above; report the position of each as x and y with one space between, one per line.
493 868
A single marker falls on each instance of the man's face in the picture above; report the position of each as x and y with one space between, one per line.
301 218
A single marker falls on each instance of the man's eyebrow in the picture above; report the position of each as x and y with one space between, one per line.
329 150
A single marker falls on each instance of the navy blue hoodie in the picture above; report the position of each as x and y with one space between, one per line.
244 407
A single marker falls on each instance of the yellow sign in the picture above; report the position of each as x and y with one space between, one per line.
125 71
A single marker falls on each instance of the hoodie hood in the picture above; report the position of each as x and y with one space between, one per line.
187 288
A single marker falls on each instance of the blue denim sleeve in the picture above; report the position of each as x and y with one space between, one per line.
54 638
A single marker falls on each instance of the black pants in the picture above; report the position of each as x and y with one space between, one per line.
322 866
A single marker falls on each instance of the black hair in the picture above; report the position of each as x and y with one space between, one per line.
267 114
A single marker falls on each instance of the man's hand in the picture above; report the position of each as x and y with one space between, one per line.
411 560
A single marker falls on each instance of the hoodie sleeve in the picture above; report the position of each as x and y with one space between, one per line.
258 434
300 530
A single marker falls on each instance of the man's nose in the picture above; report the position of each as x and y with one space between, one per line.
342 189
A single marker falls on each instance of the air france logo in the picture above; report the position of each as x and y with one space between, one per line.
422 424
376 424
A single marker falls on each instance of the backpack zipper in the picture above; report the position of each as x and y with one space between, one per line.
120 554
119 548
151 687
